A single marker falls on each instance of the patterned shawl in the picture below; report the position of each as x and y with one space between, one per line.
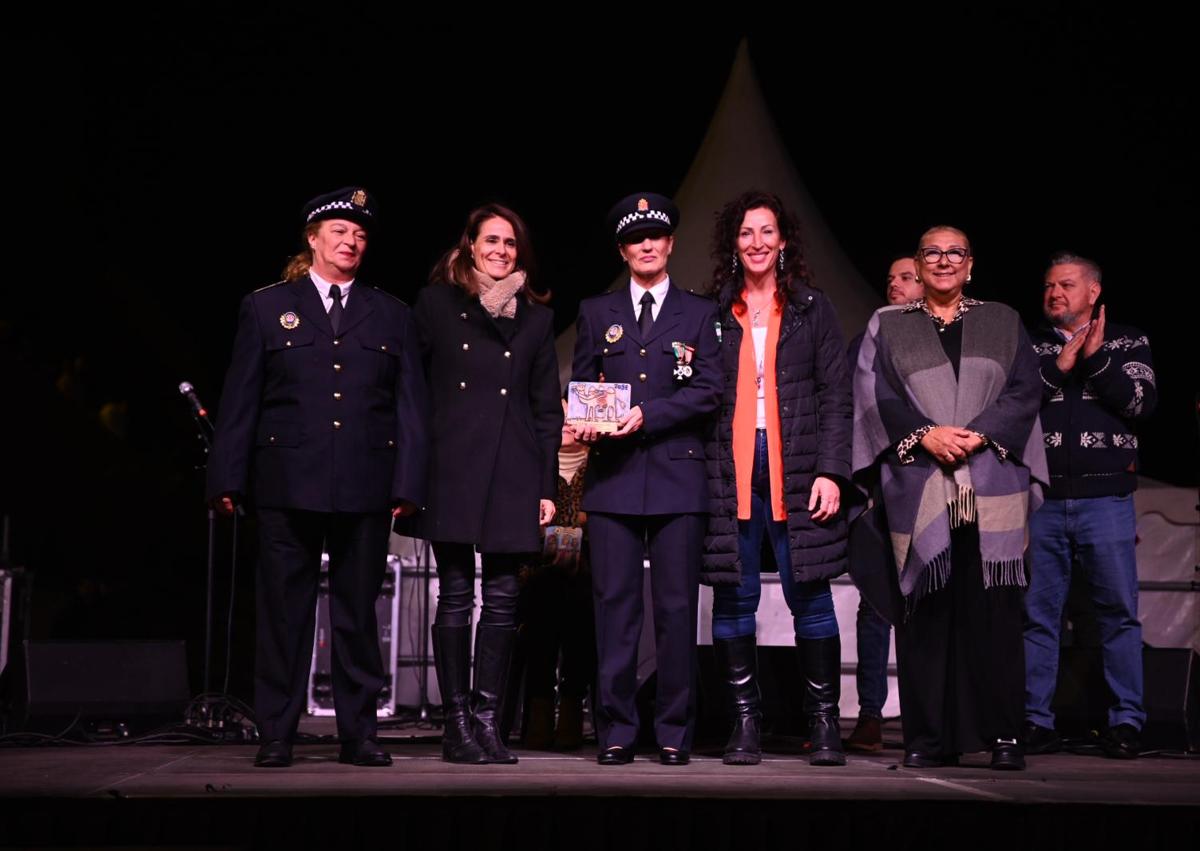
904 382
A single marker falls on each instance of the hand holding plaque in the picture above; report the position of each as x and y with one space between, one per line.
599 404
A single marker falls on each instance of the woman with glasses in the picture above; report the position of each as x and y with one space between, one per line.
946 434
779 452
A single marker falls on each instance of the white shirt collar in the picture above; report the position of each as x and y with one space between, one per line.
659 291
324 285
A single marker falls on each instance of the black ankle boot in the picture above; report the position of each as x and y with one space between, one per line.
493 649
821 664
451 655
737 664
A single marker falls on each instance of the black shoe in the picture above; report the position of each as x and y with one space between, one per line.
274 754
1039 740
451 654
673 756
821 667
1007 755
365 752
737 665
1122 742
917 759
615 755
493 649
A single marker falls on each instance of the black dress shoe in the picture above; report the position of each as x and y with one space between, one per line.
615 755
1121 742
1039 740
673 756
274 754
1007 756
916 759
365 752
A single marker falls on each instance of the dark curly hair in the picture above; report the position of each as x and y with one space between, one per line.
726 284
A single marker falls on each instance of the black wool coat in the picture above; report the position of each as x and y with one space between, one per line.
496 420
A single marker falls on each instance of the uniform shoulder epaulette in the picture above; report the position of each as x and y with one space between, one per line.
694 294
271 286
389 295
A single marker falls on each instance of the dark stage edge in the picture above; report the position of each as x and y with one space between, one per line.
212 796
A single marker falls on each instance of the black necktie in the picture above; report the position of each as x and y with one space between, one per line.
646 317
336 309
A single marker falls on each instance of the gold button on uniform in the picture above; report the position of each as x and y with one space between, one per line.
271 439
642 352
337 397
335 342
641 376
383 348
508 354
337 423
391 443
503 391
466 346
462 385
337 367
462 316
288 343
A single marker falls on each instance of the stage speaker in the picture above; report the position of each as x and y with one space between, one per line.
1170 693
1172 698
114 687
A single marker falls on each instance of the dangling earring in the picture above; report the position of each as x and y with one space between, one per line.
780 261
733 267
968 277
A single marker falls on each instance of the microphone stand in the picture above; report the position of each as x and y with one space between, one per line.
204 433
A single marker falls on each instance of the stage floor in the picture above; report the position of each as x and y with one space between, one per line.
156 771
160 796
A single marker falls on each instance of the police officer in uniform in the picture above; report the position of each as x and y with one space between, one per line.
322 425
645 486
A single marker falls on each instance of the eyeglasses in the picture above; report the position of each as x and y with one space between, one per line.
934 255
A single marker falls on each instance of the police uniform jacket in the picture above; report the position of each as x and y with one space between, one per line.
497 420
316 423
659 469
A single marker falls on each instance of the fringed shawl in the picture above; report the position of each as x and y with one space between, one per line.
903 381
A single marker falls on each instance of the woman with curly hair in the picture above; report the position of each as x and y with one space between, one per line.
777 460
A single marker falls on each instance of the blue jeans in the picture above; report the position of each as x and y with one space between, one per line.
871 673
734 606
1100 533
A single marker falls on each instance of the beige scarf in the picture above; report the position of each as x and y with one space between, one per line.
499 298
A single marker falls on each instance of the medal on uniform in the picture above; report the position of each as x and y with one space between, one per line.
683 360
289 320
614 333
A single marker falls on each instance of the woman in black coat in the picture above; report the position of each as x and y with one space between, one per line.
776 461
488 343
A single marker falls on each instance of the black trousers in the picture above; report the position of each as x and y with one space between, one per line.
618 543
289 563
961 660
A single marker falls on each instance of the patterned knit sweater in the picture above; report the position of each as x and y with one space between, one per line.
1088 415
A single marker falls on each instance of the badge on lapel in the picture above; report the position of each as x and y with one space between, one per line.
289 320
614 333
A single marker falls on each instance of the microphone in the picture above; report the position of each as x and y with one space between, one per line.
188 392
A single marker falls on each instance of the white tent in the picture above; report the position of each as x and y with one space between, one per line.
742 150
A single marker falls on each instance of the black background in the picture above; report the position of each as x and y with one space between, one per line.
157 168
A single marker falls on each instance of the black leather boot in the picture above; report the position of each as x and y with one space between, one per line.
451 655
821 665
493 650
737 664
